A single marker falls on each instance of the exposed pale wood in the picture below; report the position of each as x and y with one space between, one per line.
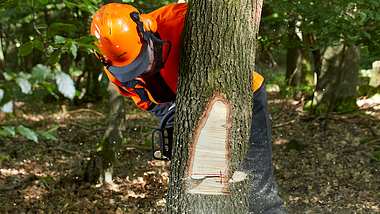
209 158
238 176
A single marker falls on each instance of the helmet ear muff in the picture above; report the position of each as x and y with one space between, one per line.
149 23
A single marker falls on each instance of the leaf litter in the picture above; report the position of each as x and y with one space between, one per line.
322 164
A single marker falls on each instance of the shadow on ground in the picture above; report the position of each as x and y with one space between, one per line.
322 165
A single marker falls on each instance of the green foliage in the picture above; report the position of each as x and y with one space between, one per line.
323 24
45 45
12 131
376 156
40 42
4 157
277 80
27 133
147 5
40 39
346 105
319 25
369 82
7 131
49 134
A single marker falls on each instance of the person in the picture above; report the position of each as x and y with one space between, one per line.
141 55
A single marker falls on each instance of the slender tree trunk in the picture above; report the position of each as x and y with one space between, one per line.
113 135
294 75
214 89
100 167
92 66
317 63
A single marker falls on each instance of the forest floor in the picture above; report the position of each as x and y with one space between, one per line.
322 164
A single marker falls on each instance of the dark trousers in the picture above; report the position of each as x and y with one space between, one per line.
258 161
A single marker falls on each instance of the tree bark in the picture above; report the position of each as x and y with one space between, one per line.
217 62
336 87
294 75
100 166
92 66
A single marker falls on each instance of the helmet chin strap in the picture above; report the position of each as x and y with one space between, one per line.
158 45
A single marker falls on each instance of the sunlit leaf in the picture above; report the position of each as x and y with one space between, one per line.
44 2
27 133
74 50
25 85
23 75
59 39
375 79
10 130
273 88
51 88
40 72
65 85
7 107
48 136
8 76
75 71
1 94
4 133
87 39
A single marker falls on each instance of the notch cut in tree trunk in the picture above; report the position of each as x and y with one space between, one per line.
209 153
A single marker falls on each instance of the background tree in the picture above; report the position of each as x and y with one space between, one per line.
217 63
294 25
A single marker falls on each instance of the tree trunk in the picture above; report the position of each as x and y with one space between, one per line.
214 107
336 87
100 167
294 75
92 66
313 54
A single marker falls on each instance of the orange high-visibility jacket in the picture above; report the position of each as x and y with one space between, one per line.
147 92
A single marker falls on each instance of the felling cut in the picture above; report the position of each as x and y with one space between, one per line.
208 172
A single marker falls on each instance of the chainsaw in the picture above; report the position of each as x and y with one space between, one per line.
162 137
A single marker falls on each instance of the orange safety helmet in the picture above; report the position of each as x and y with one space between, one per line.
119 29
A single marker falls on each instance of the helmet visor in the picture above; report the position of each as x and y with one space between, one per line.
134 69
